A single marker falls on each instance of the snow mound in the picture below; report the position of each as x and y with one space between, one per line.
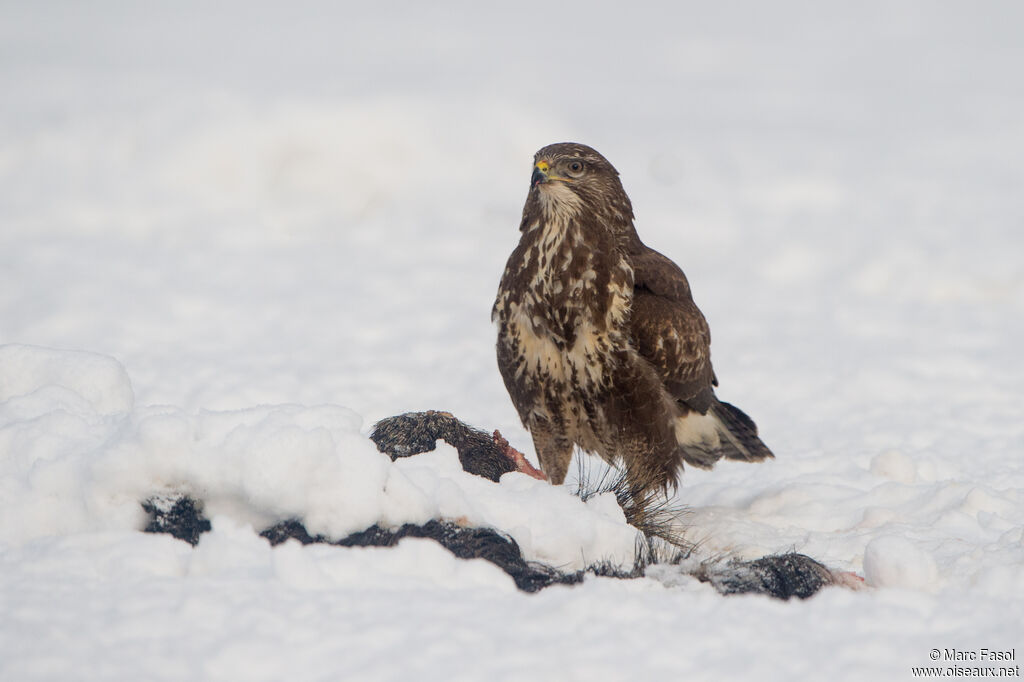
75 455
893 561
30 374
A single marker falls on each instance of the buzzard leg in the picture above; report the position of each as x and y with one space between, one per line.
553 450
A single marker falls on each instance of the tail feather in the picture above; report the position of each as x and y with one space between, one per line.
738 433
698 440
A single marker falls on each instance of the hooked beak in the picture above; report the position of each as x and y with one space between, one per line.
540 173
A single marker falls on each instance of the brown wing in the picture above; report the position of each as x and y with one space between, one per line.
669 331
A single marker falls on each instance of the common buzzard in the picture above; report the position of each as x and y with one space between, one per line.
599 341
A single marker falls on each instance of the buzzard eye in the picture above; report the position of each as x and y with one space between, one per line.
575 167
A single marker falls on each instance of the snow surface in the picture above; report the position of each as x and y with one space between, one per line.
233 237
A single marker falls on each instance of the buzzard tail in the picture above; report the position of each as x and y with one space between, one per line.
724 431
740 439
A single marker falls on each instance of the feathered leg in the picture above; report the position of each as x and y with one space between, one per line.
553 450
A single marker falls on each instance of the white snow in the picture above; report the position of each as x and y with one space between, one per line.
893 561
232 237
261 465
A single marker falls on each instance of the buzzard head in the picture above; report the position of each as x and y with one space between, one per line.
573 181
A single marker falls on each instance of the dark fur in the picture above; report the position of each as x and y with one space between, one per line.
465 543
179 515
414 432
779 575
782 576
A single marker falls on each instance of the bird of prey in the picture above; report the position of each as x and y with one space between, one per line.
600 343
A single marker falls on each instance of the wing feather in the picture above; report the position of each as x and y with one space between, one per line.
669 331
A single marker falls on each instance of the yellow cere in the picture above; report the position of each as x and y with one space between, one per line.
544 167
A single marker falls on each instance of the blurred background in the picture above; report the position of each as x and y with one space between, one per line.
313 202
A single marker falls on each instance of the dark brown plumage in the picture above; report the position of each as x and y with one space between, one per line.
599 341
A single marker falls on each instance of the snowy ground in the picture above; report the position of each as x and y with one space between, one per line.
220 225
